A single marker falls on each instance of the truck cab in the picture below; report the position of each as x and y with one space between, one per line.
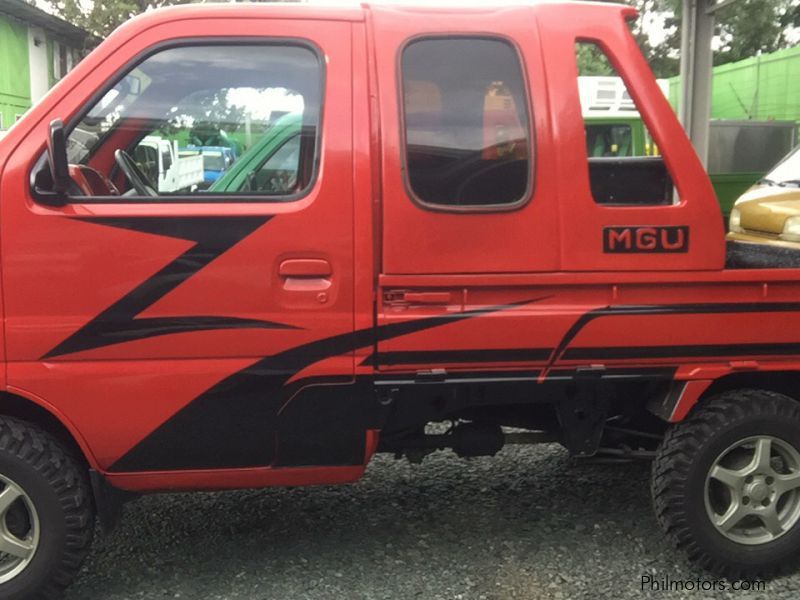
216 160
413 234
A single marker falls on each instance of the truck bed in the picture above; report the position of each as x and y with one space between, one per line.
743 255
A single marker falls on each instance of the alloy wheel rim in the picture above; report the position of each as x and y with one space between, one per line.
19 529
752 490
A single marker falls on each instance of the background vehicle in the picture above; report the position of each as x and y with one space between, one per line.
769 212
216 160
436 248
613 125
742 152
170 171
271 165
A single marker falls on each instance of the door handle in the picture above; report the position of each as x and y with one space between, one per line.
305 268
305 274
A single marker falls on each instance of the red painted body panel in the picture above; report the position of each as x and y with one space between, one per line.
539 292
65 271
522 240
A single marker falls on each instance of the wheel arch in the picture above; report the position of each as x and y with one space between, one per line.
781 382
684 396
28 407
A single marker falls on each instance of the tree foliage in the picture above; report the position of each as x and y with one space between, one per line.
743 28
747 27
101 17
663 15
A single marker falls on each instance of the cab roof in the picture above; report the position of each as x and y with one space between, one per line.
356 11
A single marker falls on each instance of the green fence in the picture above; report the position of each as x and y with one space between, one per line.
15 85
763 88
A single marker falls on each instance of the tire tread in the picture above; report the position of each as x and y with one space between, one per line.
673 460
61 470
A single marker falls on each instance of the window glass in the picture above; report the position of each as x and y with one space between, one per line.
609 139
466 123
279 173
625 168
786 172
146 158
166 158
214 160
216 105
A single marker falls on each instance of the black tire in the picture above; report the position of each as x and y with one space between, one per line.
57 487
682 464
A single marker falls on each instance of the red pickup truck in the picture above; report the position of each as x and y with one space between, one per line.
419 238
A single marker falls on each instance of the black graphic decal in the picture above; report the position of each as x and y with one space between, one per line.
238 422
665 309
703 350
458 356
233 424
118 323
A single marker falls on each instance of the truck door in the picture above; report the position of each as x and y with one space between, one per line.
469 203
464 188
179 331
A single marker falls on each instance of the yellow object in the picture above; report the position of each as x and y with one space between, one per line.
767 214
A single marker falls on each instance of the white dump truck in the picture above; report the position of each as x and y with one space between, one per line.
168 169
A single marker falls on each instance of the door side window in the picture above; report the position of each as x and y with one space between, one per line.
279 172
467 127
217 105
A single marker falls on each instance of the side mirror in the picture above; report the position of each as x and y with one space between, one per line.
57 157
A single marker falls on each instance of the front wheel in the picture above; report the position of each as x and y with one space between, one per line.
726 484
46 514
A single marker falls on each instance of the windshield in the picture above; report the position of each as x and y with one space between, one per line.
213 161
787 171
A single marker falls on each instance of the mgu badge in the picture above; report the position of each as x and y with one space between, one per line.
646 240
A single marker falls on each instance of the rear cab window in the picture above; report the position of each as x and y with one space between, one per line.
466 124
625 166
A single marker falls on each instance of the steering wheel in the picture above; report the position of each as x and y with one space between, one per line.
482 183
134 174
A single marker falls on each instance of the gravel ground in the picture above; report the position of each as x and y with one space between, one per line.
528 524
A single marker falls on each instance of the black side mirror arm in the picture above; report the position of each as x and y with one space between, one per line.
50 180
57 157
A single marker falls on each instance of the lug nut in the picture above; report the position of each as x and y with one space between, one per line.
770 480
746 500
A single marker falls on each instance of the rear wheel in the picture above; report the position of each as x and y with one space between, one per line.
46 514
726 484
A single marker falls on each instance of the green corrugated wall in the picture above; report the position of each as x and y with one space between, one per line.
765 87
15 85
761 88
